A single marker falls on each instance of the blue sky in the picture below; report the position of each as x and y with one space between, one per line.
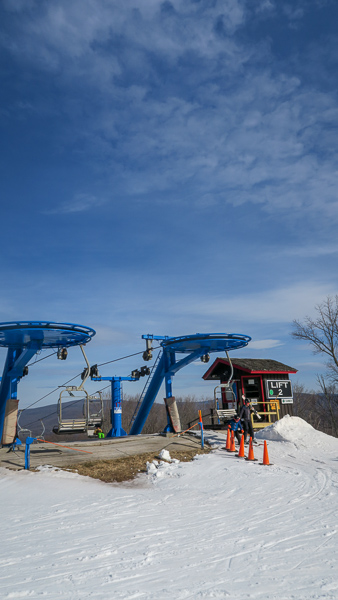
168 168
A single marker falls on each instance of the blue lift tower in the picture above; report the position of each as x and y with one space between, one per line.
23 340
199 345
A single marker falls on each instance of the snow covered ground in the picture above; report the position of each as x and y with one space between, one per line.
218 527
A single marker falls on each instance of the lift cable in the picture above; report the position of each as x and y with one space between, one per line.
129 356
100 365
78 375
49 393
40 359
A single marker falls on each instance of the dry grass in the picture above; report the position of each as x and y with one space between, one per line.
125 469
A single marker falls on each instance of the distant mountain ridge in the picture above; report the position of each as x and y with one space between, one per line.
30 419
41 420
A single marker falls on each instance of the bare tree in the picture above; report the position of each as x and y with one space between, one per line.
328 403
305 404
322 334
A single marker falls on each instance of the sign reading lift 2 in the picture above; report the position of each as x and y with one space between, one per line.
279 389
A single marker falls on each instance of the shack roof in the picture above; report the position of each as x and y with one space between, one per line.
248 365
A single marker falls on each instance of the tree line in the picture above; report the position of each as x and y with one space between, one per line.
188 407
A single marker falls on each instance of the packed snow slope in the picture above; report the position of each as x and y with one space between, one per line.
219 527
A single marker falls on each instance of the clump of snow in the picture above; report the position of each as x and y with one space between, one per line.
162 468
298 432
152 467
47 468
165 455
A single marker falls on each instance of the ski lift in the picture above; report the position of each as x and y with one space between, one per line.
225 414
92 413
22 430
28 432
92 408
95 412
42 435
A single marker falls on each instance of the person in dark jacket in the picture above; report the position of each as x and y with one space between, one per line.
245 416
236 426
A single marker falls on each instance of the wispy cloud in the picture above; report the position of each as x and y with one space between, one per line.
80 203
275 305
265 344
175 99
310 251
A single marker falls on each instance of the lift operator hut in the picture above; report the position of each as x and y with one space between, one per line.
264 382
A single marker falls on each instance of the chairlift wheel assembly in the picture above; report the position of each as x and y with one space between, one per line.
205 358
62 353
148 353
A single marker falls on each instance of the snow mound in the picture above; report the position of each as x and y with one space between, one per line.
298 432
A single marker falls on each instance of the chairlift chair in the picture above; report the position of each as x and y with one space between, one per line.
89 420
22 430
225 414
42 434
94 419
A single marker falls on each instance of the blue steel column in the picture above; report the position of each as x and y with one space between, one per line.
149 398
116 404
116 412
16 359
166 368
5 387
169 361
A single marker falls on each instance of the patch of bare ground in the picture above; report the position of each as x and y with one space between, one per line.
127 468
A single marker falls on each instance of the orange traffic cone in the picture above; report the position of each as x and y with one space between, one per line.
232 443
227 446
251 455
265 455
241 448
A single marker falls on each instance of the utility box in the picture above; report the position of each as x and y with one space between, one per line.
11 419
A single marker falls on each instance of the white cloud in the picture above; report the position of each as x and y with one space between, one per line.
275 305
106 335
312 251
293 13
317 366
218 115
264 344
68 33
80 203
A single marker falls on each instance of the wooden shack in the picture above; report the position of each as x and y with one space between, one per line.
264 382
